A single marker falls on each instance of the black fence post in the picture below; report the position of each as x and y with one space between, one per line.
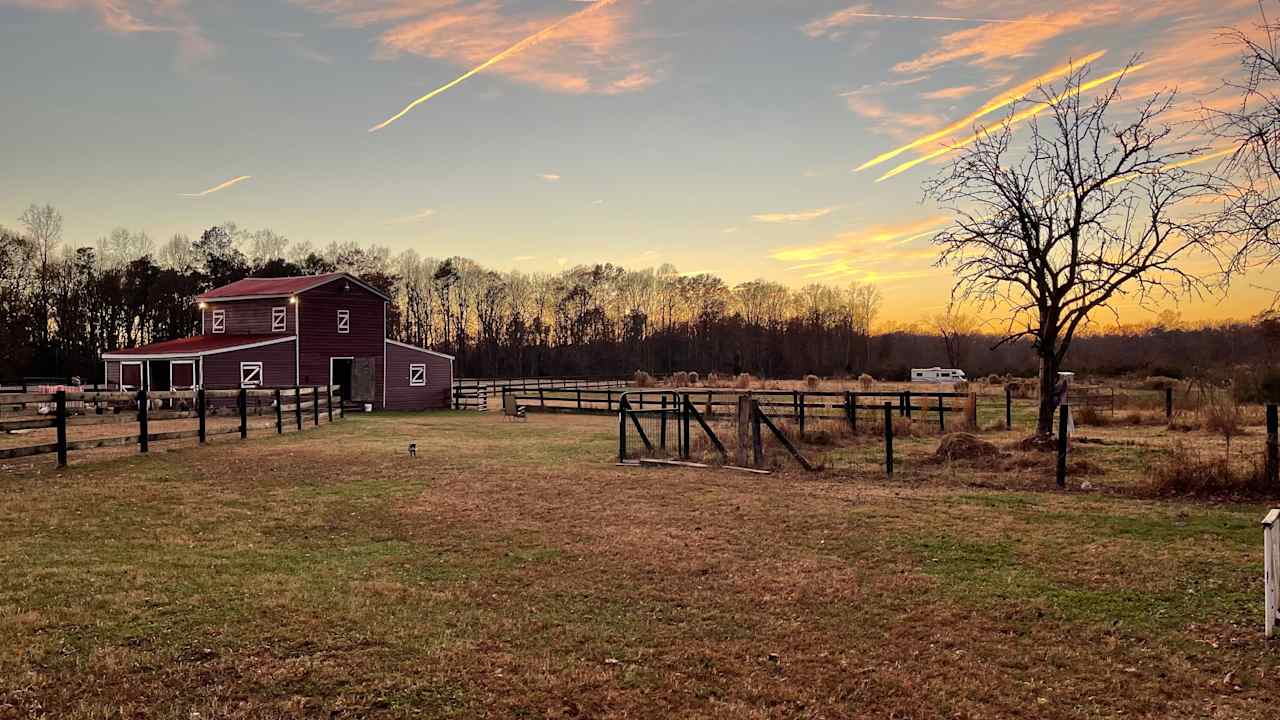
328 402
662 431
1273 445
60 406
685 415
888 439
342 405
279 414
1008 407
1168 403
622 430
315 406
757 442
243 402
942 415
201 412
1064 413
851 411
143 445
297 406
800 408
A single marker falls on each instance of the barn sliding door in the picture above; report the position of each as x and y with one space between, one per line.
364 380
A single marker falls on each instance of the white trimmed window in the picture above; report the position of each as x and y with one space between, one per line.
250 374
219 321
417 375
344 321
279 319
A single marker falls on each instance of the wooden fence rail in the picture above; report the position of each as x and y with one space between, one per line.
56 412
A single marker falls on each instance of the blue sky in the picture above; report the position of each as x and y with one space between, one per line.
719 136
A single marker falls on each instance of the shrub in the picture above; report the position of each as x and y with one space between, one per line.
866 382
811 382
1223 417
643 379
1090 416
1186 472
743 381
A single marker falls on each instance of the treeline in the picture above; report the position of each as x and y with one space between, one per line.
63 306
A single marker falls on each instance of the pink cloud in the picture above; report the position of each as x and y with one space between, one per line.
136 16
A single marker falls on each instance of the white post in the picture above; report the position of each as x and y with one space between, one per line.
1271 562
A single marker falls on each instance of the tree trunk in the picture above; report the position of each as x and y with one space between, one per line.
1048 383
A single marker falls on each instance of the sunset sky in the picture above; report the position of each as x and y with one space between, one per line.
718 135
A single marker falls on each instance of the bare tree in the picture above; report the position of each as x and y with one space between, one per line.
865 302
1090 211
44 230
957 330
1252 129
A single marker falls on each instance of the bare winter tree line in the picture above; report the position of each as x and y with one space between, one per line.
65 305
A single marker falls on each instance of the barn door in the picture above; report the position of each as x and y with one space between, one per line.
363 387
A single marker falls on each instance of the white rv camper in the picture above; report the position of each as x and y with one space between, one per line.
937 375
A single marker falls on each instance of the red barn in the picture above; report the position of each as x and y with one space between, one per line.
282 332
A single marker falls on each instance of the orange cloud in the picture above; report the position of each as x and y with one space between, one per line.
991 42
789 217
877 238
951 93
1004 99
216 188
1031 112
584 52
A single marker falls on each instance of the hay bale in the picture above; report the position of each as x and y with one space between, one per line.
811 382
743 382
866 382
693 377
643 379
963 446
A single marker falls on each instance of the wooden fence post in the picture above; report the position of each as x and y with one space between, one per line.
1008 407
1065 412
328 402
315 406
60 406
971 411
297 406
279 414
202 410
1273 446
143 445
888 439
244 413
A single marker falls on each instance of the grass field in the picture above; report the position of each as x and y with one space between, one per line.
512 570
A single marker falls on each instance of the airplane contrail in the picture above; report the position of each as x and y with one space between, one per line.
524 44
942 18
1011 120
216 188
989 107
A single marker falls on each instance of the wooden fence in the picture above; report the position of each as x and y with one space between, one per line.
798 405
63 410
474 393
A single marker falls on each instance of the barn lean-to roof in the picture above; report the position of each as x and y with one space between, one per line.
196 346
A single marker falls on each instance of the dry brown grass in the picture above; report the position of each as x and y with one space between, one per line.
514 571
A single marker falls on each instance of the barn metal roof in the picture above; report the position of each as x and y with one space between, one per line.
281 287
196 345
